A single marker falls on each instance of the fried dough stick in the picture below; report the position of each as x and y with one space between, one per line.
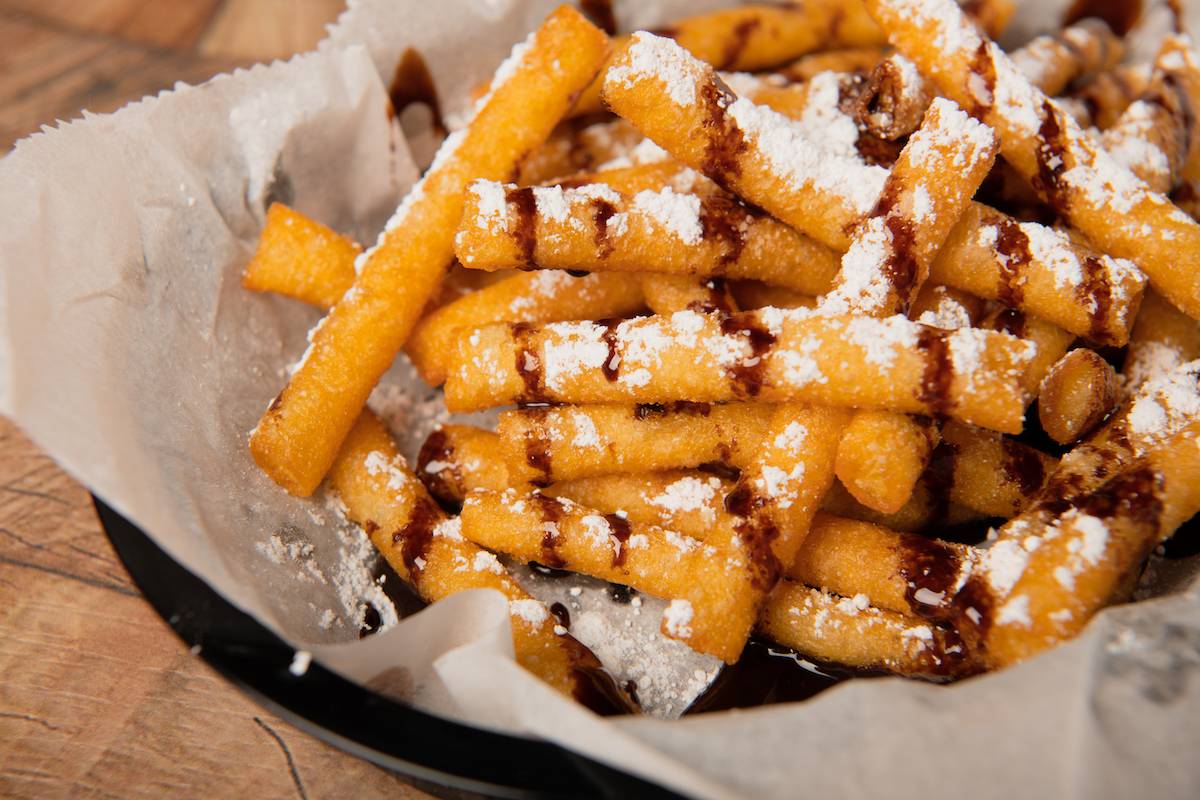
1032 595
1163 338
425 548
597 229
1076 395
1042 272
298 437
845 630
761 155
711 609
1081 181
896 94
758 37
771 354
883 454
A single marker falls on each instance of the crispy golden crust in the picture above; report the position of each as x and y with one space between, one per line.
1084 184
298 437
772 354
712 609
597 229
425 548
1077 394
301 258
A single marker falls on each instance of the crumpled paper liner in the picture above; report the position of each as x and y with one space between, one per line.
129 351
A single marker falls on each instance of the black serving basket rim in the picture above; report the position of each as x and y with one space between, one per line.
387 732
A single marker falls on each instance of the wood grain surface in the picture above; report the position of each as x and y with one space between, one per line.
98 698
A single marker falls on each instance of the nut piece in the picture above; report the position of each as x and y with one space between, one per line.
1077 394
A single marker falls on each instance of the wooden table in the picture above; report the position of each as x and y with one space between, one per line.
98 697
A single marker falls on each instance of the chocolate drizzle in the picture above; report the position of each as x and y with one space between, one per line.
1051 160
725 141
1023 467
717 301
938 375
537 445
900 267
1010 321
602 212
437 448
1012 245
757 532
620 530
612 361
552 511
417 534
747 374
724 220
412 84
524 232
983 91
528 363
600 12
1097 291
738 40
561 614
593 687
939 479
927 566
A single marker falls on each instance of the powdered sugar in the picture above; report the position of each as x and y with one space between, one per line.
677 619
803 163
658 58
677 213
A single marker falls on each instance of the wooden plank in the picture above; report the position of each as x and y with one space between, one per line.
266 29
97 696
46 74
168 24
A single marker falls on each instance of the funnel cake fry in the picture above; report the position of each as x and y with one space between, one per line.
1042 581
595 228
758 37
298 437
548 296
564 443
1163 338
1071 171
847 631
711 609
896 94
930 186
821 186
313 262
425 548
781 489
1154 135
882 455
1076 395
773 355
1052 342
1042 272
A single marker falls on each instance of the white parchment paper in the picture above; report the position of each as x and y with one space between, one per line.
129 351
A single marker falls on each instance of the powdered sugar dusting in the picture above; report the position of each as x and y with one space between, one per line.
655 57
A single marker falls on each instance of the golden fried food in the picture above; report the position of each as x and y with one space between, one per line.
314 263
1077 394
299 435
425 548
771 354
1072 173
597 229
